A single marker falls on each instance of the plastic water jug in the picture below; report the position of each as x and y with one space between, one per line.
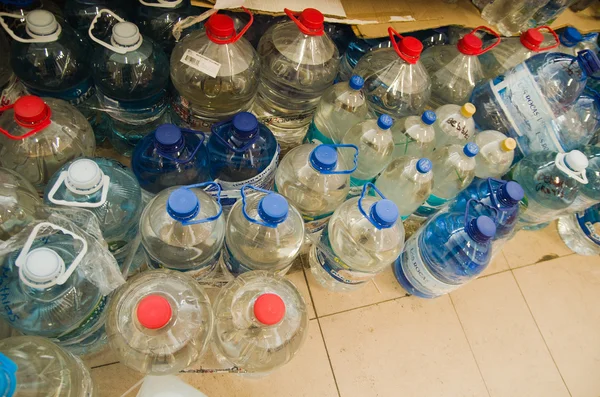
496 154
18 205
572 41
21 8
589 193
511 17
10 86
580 231
355 50
454 124
414 135
81 13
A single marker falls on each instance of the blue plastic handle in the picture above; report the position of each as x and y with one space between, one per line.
248 218
210 218
360 206
473 202
191 156
342 172
215 131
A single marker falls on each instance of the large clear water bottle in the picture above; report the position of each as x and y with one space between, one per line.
396 83
299 62
454 124
363 237
34 366
589 193
496 154
215 72
316 180
510 16
160 322
581 231
242 151
261 321
515 50
375 144
414 135
453 170
455 69
549 12
170 156
572 41
452 249
131 83
524 103
264 232
355 50
81 13
37 137
19 204
551 182
408 182
183 229
10 86
109 190
341 107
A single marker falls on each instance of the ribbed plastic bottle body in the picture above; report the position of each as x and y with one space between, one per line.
20 202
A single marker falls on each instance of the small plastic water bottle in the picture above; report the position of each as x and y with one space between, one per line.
264 232
34 366
110 191
581 231
396 83
455 70
37 137
215 72
241 151
452 249
183 229
160 322
408 182
414 135
260 322
363 237
572 41
496 154
589 194
316 180
454 124
453 170
299 61
131 83
170 156
341 107
375 144
19 205
551 182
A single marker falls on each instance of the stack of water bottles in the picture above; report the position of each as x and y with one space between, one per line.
423 158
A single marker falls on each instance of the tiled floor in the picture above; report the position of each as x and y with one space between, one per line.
530 326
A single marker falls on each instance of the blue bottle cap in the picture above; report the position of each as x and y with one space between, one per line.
511 192
356 82
273 208
323 158
183 204
428 117
589 61
471 149
384 213
245 123
570 37
484 228
424 165
8 376
385 122
167 135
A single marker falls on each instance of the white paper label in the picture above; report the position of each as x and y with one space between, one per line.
201 63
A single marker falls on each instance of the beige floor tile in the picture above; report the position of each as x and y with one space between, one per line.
563 296
103 357
114 380
505 340
499 264
384 287
528 247
296 276
404 347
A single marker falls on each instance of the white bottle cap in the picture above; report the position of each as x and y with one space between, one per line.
576 161
125 34
84 176
43 265
41 23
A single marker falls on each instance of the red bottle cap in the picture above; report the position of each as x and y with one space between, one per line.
269 309
154 312
30 111
532 39
312 19
221 26
470 44
407 48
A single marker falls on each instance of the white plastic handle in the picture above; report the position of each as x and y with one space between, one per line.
162 3
61 180
66 273
117 49
561 165
34 37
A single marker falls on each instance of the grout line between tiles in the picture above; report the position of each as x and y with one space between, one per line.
541 333
104 365
469 343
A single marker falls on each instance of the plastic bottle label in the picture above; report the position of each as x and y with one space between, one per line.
233 265
13 90
527 110
356 186
201 63
589 226
187 119
314 135
416 272
582 203
314 224
339 270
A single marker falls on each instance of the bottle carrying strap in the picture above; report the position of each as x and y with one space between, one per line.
553 33
117 49
412 59
561 165
215 130
62 178
490 31
244 206
162 3
360 205
491 182
342 146
190 21
39 126
303 28
235 37
472 203
64 273
34 38
192 155
206 185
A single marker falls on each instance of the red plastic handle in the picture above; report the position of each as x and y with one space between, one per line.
490 31
307 31
36 128
551 31
238 36
410 58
